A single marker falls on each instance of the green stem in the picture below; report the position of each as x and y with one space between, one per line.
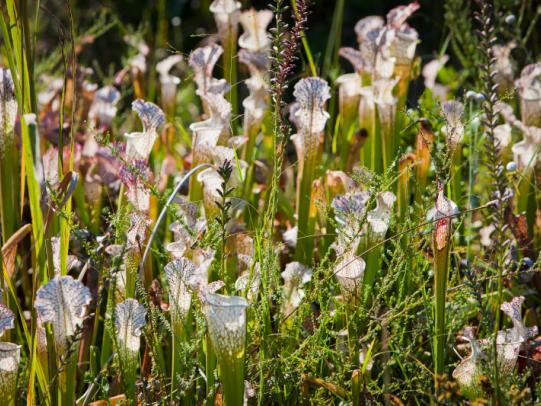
456 176
333 41
373 264
107 342
441 263
210 366
29 128
232 377
68 379
179 336
385 135
305 222
9 164
349 121
495 335
370 153
230 68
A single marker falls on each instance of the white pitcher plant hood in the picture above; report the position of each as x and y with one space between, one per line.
382 45
525 152
7 319
71 261
202 61
349 274
502 135
443 214
168 82
63 302
208 133
226 323
510 341
338 182
503 65
513 309
103 109
295 276
50 168
355 58
469 370
257 62
135 178
184 238
179 273
430 73
49 96
366 25
138 63
506 111
8 109
202 259
241 245
256 103
374 56
137 231
311 95
396 18
383 91
254 24
405 37
453 128
226 15
177 249
379 218
376 53
349 209
195 279
349 93
188 212
249 282
385 100
529 92
139 144
404 45
185 230
129 323
290 236
485 234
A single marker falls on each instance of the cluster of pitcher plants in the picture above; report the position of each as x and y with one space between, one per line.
236 224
